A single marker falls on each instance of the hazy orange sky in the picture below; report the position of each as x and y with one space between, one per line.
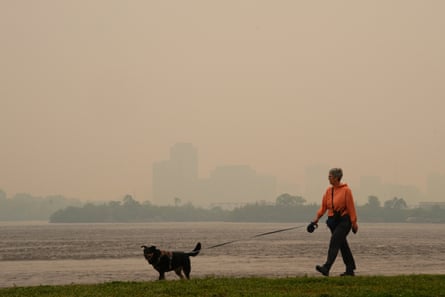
94 91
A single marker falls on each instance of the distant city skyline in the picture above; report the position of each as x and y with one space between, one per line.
178 177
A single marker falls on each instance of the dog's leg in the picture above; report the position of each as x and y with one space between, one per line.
161 275
187 268
178 271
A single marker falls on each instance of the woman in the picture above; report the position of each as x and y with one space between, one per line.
342 217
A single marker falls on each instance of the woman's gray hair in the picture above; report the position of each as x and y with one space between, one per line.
336 172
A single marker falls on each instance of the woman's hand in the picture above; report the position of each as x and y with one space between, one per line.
354 228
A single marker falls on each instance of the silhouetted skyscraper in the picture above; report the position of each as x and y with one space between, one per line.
178 176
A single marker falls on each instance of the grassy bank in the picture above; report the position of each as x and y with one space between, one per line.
412 285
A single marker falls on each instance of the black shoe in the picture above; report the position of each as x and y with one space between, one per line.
322 269
348 273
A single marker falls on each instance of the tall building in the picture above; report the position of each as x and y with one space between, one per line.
227 185
176 177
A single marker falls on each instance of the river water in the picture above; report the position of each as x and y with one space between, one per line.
39 253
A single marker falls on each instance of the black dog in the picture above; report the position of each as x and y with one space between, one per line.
164 261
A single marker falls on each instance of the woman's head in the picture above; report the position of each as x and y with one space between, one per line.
335 174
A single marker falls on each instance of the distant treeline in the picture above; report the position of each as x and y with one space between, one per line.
287 208
25 207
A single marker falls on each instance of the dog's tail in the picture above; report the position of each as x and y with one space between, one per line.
196 250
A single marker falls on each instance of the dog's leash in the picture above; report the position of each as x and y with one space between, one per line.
257 235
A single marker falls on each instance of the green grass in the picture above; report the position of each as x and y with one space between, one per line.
360 286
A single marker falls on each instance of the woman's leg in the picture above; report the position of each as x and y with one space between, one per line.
337 242
348 259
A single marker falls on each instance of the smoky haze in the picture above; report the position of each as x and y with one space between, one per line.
93 93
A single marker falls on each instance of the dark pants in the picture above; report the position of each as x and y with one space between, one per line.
339 231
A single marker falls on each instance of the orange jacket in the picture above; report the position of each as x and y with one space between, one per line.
343 201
